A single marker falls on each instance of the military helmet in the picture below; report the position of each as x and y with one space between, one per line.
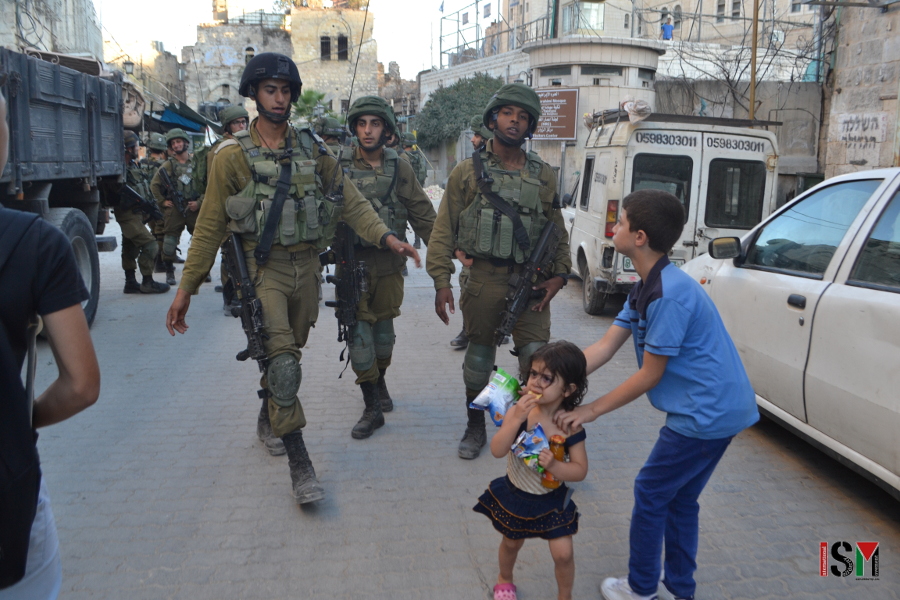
130 139
157 141
372 105
270 65
514 94
329 126
477 126
408 139
175 134
232 113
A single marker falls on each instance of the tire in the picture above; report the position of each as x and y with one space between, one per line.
592 300
80 232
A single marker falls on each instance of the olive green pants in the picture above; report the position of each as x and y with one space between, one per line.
138 244
288 289
174 227
482 299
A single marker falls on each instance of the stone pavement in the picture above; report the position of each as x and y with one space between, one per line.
161 490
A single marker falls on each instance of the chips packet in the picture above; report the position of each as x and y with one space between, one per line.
497 396
529 445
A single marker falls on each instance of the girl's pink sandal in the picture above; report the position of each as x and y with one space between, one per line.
504 591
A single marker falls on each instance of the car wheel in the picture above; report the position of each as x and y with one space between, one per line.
80 233
592 300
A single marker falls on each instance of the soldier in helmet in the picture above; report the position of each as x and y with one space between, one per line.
391 186
156 155
180 172
465 221
331 131
417 161
282 254
138 245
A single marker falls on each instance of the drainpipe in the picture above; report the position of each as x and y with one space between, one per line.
553 8
897 133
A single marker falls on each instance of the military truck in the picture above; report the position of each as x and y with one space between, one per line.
65 137
723 172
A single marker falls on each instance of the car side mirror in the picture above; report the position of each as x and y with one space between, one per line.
567 200
726 247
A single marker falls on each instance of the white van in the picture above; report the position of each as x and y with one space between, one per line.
724 174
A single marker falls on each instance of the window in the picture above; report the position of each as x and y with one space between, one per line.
668 173
586 183
345 106
736 193
556 71
584 14
249 53
627 21
878 265
796 6
665 13
803 238
646 74
226 90
676 17
325 43
720 11
342 47
601 70
735 9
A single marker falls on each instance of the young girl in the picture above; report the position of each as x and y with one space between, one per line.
518 505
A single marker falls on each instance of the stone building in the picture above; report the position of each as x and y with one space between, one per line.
326 37
402 94
862 113
214 64
154 70
62 26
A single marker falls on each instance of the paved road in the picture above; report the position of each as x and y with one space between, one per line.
161 490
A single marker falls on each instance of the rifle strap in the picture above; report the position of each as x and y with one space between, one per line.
281 193
484 184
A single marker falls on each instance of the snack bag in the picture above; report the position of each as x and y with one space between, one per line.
529 445
499 394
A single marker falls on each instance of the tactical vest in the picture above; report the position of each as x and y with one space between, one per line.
485 232
308 216
182 178
417 161
380 191
136 177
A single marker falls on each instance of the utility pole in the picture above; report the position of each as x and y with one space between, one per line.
753 46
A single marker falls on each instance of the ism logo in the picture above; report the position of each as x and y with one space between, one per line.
850 562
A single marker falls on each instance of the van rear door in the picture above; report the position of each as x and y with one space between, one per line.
734 188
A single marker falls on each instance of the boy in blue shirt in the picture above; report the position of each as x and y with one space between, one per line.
666 29
689 368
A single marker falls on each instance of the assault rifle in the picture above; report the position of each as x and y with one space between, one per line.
141 204
519 293
172 192
241 286
349 280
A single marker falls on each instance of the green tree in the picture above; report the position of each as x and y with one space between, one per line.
448 111
306 104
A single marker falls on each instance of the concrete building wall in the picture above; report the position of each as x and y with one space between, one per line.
862 108
213 66
157 72
332 73
64 26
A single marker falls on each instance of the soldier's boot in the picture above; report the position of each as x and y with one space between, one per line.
417 244
148 286
170 273
264 432
178 260
160 266
372 417
131 284
460 342
305 488
387 403
476 436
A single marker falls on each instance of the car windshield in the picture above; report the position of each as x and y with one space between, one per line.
803 238
668 173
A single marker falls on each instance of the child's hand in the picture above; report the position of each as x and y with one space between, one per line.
527 402
546 458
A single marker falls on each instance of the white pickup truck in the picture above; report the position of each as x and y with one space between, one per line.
811 298
724 174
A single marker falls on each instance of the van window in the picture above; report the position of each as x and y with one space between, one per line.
586 182
736 193
878 265
668 173
803 238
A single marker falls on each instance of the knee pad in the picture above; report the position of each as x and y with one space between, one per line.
525 353
283 377
383 333
362 347
170 245
478 365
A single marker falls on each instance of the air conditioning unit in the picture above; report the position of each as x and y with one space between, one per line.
777 37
